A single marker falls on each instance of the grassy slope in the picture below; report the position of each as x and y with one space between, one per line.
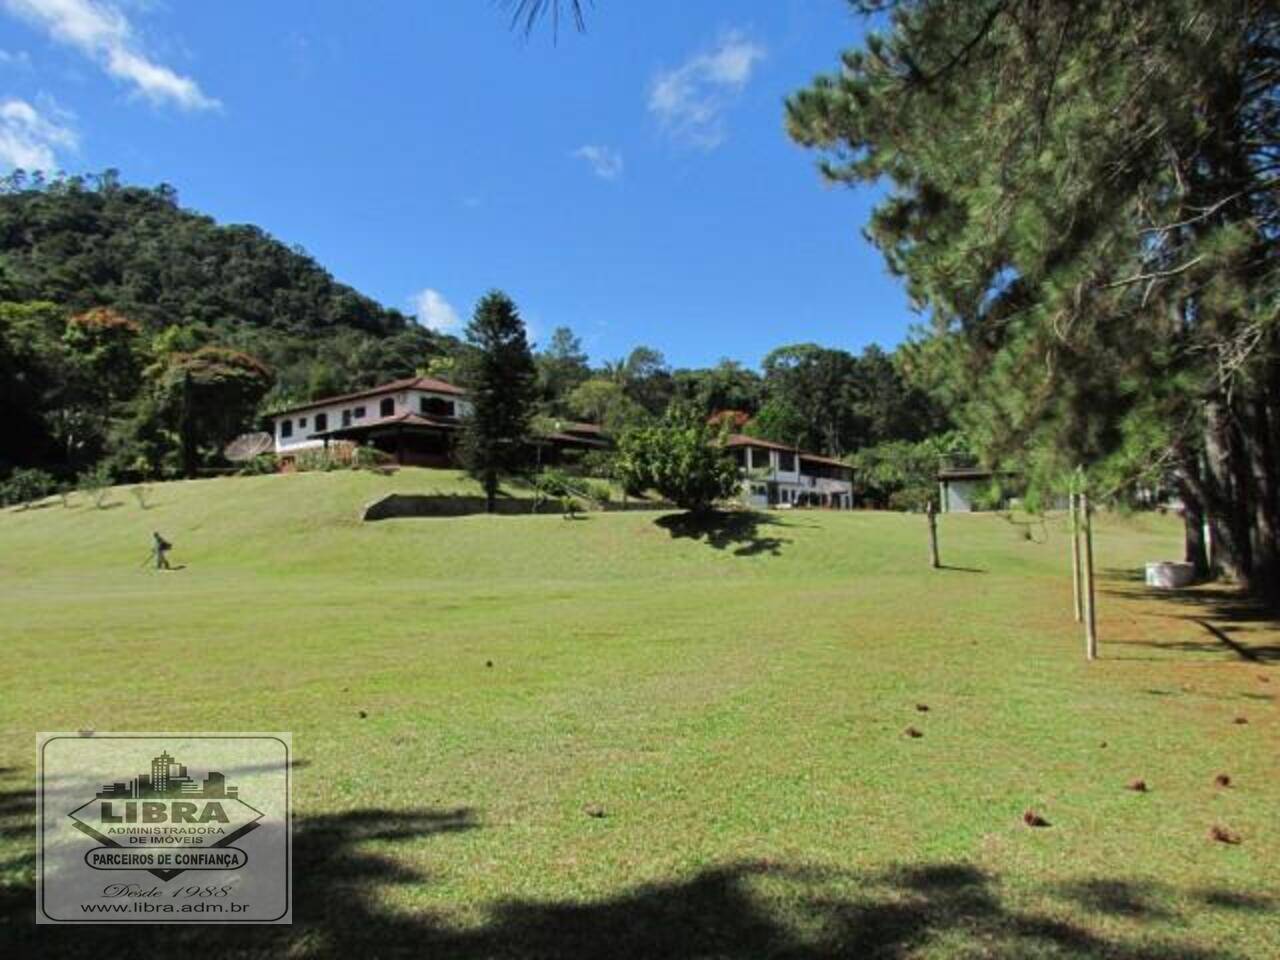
738 710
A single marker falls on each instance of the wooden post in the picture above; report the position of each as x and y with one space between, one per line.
1090 614
1075 558
933 536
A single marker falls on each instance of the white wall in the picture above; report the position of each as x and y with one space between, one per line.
958 495
405 401
770 460
790 483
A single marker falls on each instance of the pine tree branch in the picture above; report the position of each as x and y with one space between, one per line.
1204 215
1154 275
962 54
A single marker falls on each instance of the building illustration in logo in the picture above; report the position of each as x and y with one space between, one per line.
159 811
168 780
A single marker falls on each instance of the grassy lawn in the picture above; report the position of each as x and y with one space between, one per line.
735 703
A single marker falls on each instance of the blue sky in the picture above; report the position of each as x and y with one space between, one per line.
634 183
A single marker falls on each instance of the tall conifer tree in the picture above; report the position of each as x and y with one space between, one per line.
1084 198
500 375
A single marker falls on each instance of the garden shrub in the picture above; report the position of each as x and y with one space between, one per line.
25 486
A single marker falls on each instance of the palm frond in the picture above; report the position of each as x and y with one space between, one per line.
527 14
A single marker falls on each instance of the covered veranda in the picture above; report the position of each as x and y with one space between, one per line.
411 439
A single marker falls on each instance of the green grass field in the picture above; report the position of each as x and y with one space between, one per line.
734 702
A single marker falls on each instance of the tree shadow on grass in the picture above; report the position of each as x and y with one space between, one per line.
1233 900
1230 620
1116 897
738 530
345 863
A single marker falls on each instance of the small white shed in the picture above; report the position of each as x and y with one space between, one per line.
960 488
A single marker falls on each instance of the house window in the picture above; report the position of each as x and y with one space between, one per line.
359 414
302 423
286 428
387 407
436 406
787 461
740 456
346 417
322 422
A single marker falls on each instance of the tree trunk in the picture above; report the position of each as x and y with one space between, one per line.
1241 506
1195 550
1265 527
1224 504
1243 450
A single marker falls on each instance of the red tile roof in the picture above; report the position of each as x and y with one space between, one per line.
430 384
830 461
742 440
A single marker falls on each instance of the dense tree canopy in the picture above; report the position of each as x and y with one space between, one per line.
726 386
562 366
834 402
1084 199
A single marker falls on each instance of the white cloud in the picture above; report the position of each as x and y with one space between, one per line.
20 60
100 31
690 99
434 311
30 139
605 162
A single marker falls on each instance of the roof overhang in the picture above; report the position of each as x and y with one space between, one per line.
404 422
423 384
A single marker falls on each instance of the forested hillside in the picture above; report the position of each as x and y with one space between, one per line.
94 243
108 292
85 242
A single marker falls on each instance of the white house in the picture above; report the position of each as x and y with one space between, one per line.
411 419
777 475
